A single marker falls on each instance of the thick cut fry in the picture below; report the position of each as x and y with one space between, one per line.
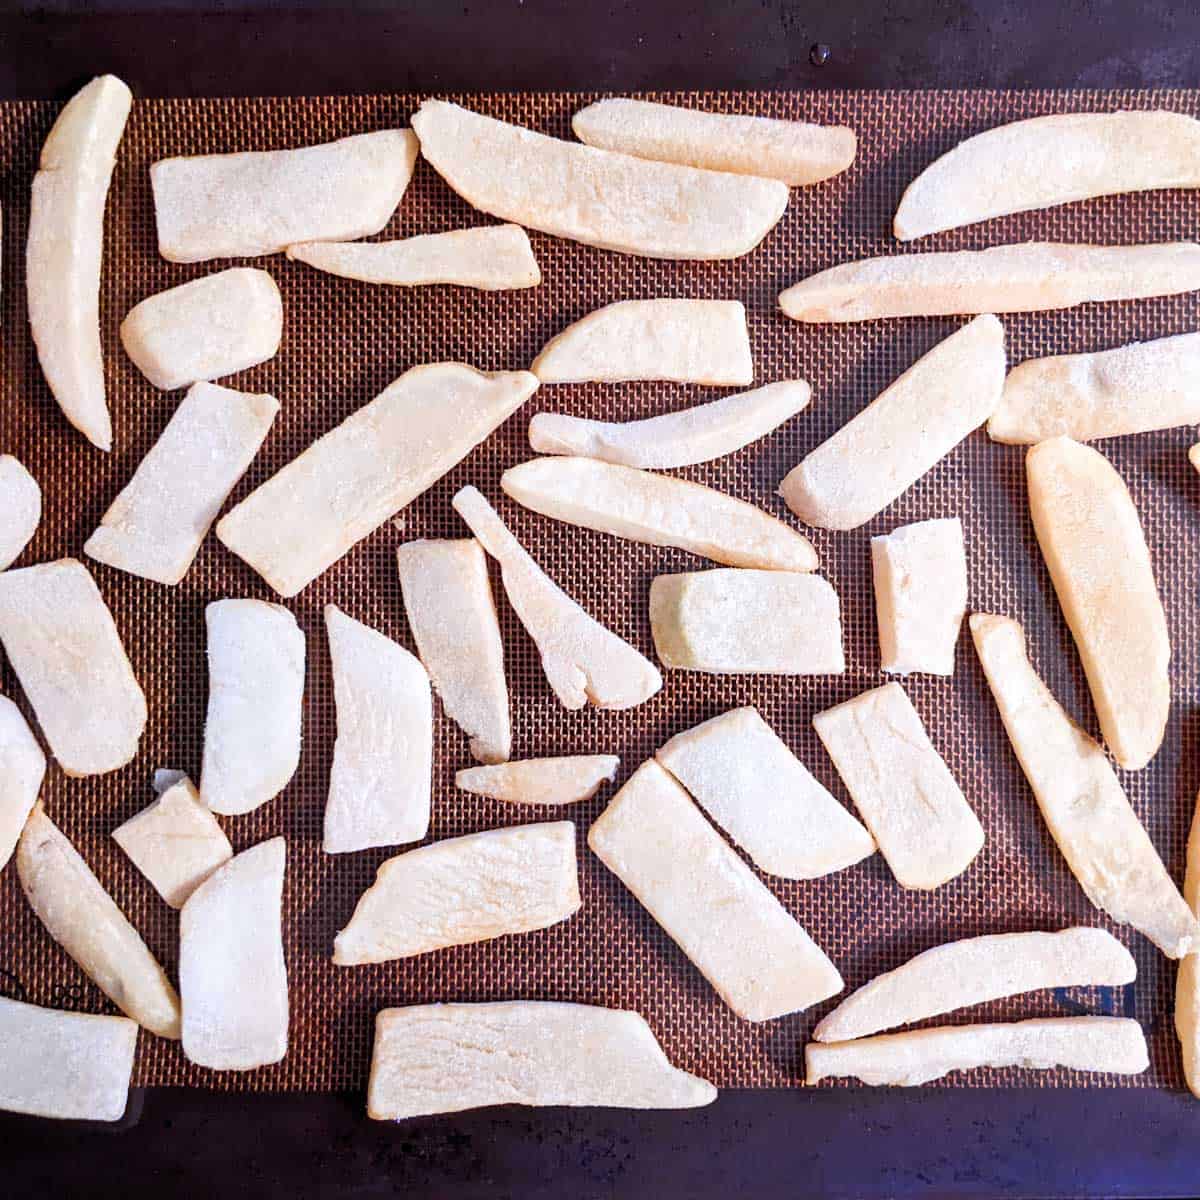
1092 541
155 526
452 615
795 152
741 939
908 428
64 251
614 201
679 439
920 575
213 326
1111 1044
584 662
22 768
688 341
736 622
347 483
383 756
1081 800
901 787
67 1065
20 509
464 890
541 780
660 510
1187 982
1132 389
975 970
441 1058
1023 277
763 796
492 258
86 922
231 969
175 842
1050 160
242 205
63 645
255 689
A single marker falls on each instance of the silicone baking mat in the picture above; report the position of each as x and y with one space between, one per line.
344 341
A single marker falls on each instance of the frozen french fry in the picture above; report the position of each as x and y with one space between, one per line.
1187 982
566 780
22 768
20 509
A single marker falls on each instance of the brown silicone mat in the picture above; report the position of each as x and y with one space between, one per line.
345 341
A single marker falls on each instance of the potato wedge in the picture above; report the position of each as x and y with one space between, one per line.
1080 798
744 776
1043 161
65 248
1093 544
22 769
584 662
565 780
678 439
907 429
1023 277
1114 1045
463 890
20 509
85 921
243 205
155 526
255 690
614 201
757 957
66 1065
660 510
688 341
232 973
795 152
61 641
737 622
975 970
347 483
1187 982
441 1058
1194 455
491 258
901 787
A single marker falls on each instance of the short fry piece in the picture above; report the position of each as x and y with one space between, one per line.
440 1058
464 890
22 769
566 780
1083 804
1194 455
20 509
1187 982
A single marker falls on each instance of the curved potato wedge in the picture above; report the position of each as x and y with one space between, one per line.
65 248
20 509
1194 455
22 769
1050 160
566 780
614 201
1187 982
975 970
660 510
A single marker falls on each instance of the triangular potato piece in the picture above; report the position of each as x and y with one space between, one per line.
22 768
20 509
566 780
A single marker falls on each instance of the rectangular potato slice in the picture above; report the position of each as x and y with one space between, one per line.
492 258
347 483
20 509
441 1058
1083 804
66 1065
975 970
22 769
232 973
920 576
1187 982
745 777
660 510
242 205
1093 544
452 615
905 431
615 201
61 640
154 528
1024 277
464 890
379 786
742 940
901 786
1114 1045
741 622
565 780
